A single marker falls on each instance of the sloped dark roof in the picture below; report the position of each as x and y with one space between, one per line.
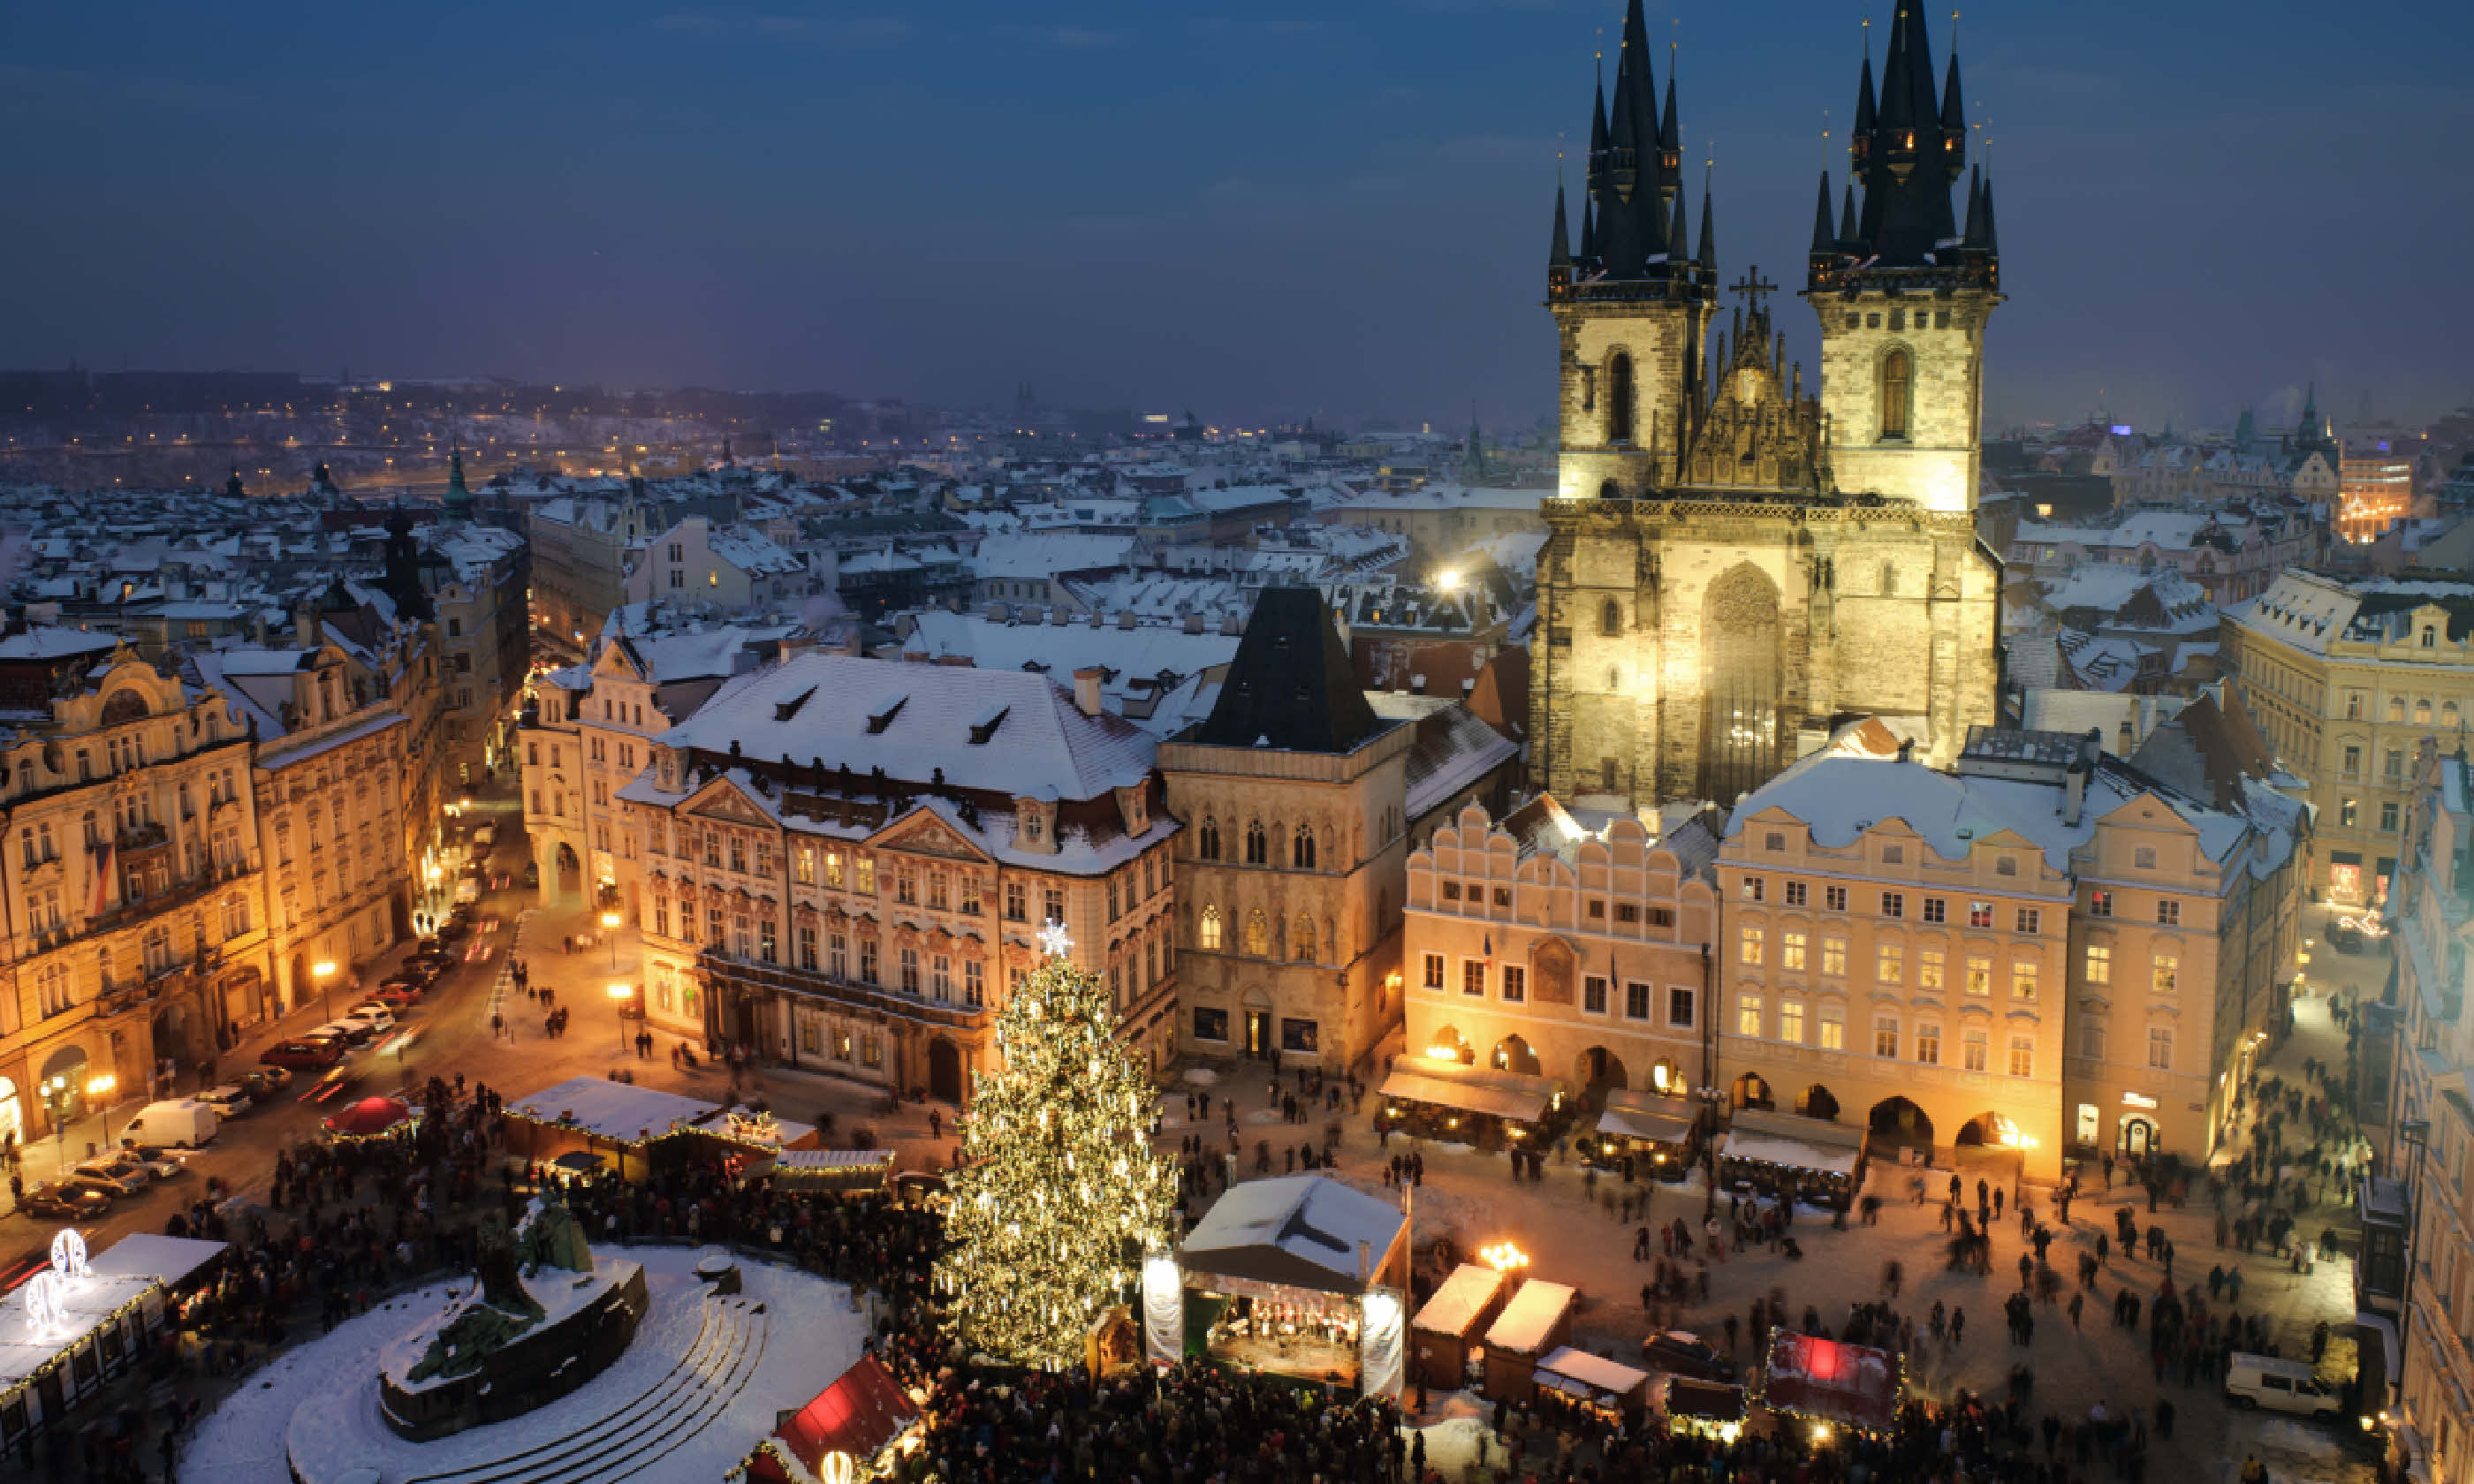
1291 686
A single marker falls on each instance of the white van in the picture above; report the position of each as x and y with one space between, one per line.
2278 1386
183 1124
483 838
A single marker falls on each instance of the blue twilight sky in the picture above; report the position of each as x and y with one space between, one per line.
1255 211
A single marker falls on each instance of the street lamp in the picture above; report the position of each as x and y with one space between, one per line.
98 1090
56 1096
609 922
619 995
323 972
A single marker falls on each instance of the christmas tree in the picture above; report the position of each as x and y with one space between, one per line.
1060 1193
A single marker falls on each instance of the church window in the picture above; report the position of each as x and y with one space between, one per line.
1207 839
1259 850
1301 851
1890 580
1898 319
1898 376
1740 682
1303 940
1941 319
1615 679
1607 775
1854 320
1873 321
1610 490
1611 618
1258 934
1210 931
1619 399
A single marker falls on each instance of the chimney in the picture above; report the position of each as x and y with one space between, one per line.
1417 684
259 630
2074 781
1231 627
1086 690
308 626
1058 617
1193 623
1125 620
1906 750
996 613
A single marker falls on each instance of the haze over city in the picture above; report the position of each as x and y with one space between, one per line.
1262 212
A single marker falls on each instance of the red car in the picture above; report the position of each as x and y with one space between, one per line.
302 1056
400 996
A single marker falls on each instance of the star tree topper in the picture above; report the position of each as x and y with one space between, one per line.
1052 941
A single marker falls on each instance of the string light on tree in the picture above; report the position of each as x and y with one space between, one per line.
1059 1192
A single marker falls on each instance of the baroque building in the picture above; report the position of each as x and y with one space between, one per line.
1733 566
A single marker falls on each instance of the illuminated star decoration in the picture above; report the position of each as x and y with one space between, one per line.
1052 941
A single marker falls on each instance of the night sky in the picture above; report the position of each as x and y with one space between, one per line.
1258 212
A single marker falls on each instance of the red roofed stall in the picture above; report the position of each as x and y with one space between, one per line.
1832 1381
862 1412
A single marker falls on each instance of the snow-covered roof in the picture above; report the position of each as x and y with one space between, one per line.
153 1255
1528 1323
1589 1372
913 719
1447 496
1463 1297
625 1112
1303 1231
1043 555
43 641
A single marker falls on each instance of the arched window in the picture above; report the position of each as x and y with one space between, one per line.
2422 711
1206 840
2396 713
1258 933
1302 850
1258 848
1209 933
1301 938
1619 399
1898 386
1611 618
1890 580
1608 489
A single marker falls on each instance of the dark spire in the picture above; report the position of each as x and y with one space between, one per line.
1679 233
1902 154
1671 146
232 487
1638 129
1824 241
1953 112
1847 222
1291 684
1560 255
1598 127
1708 256
1589 228
459 499
1974 229
1992 239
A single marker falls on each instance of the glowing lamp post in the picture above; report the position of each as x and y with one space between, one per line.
323 972
619 995
609 922
98 1090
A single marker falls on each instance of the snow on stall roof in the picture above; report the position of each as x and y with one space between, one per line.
1281 1228
1463 1296
1592 1371
1503 1094
172 1259
627 1113
1529 1318
84 1305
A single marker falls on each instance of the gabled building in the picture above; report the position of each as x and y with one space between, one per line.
847 863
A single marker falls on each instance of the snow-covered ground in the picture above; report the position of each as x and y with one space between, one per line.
317 1404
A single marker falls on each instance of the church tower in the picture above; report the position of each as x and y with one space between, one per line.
1633 307
1904 289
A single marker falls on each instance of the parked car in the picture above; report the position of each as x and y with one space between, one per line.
532 874
2277 1385
2347 940
122 1175
376 1016
303 1056
66 1200
183 1121
161 1163
109 1189
455 929
395 997
265 1082
350 1031
1680 1354
433 951
229 1101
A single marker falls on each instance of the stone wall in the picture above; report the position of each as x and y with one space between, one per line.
1935 465
1664 339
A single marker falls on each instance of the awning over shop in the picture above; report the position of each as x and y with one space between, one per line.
1814 1145
1664 1120
1499 1094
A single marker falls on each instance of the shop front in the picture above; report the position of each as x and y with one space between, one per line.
1480 1107
1770 1155
1656 1136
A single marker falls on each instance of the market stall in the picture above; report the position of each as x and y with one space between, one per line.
1445 1330
1536 1321
637 1125
68 1334
1658 1134
1426 1098
1299 1275
1771 1154
1830 1382
844 1170
862 1422
1605 1388
1703 1409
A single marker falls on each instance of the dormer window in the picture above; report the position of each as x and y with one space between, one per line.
1031 825
2430 636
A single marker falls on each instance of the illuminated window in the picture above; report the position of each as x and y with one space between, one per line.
2023 1057
1791 950
1929 1045
2099 964
2023 981
2165 972
1890 964
1833 957
1258 934
1791 1021
1980 975
1748 1014
1833 1028
1749 948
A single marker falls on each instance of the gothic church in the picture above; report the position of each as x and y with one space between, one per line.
1735 567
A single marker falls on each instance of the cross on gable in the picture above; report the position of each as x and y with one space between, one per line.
1752 287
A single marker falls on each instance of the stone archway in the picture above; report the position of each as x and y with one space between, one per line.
1598 1069
1897 1123
1742 683
1752 1092
1988 1130
171 1032
2138 1136
1512 1054
1453 1046
567 872
1817 1102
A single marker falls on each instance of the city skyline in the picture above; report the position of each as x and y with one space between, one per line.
1220 212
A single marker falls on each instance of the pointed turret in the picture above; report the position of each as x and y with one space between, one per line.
1824 240
1707 255
1589 228
1560 253
459 499
1906 154
1992 238
1974 232
1953 112
1670 143
1679 231
1847 221
234 487
1598 128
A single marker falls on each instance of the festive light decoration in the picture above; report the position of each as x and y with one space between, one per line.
1059 1193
